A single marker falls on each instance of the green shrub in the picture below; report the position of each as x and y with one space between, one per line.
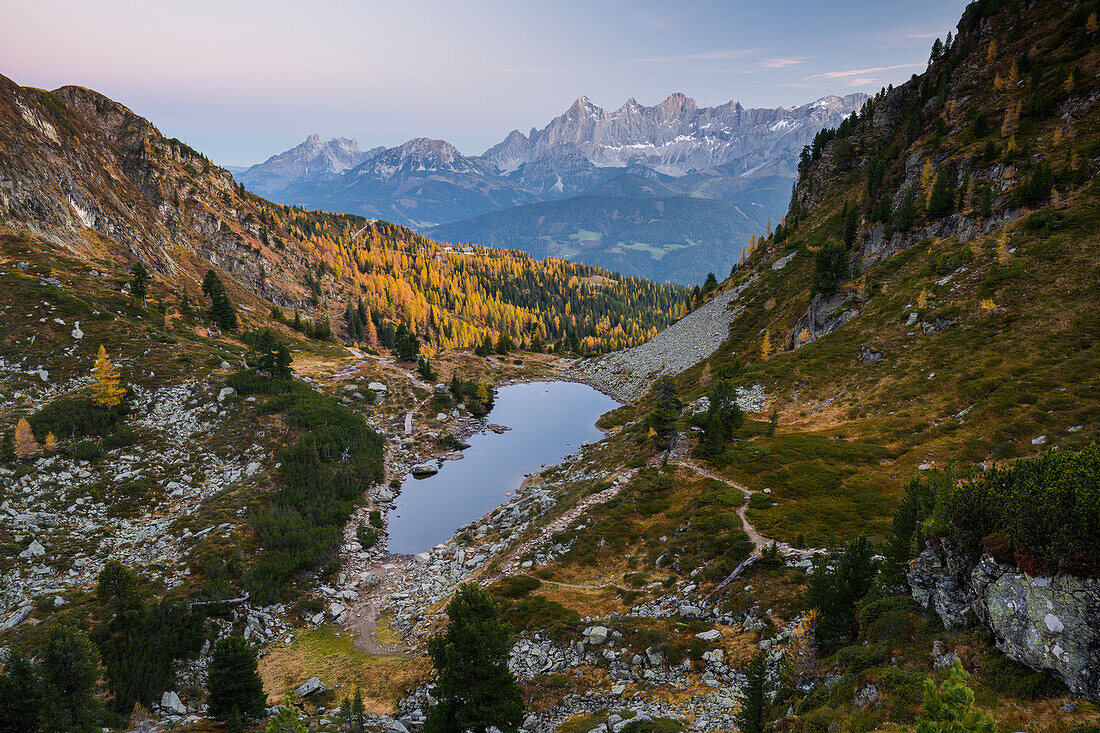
332 463
75 417
88 450
1039 512
761 501
537 613
515 586
120 438
367 536
1015 680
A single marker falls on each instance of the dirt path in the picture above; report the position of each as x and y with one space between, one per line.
759 541
362 618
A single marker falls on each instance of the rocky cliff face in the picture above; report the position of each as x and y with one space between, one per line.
675 137
86 173
1047 623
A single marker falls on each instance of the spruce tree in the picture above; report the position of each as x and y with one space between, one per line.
69 669
475 688
942 199
752 717
20 694
233 681
139 281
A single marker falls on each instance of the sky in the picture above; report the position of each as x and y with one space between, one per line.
241 80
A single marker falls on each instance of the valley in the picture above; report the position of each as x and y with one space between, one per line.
669 192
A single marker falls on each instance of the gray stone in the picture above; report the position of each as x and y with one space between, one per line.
709 635
596 635
34 549
226 393
1046 623
170 704
424 469
867 356
312 686
866 695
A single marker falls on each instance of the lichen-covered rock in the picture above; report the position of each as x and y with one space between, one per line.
940 581
1047 623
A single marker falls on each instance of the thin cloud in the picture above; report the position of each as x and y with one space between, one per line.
862 73
779 63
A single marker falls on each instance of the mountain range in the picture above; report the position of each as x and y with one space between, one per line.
714 175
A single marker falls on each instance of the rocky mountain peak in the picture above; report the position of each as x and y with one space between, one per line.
677 104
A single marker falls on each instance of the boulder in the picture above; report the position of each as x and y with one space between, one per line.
170 704
596 635
939 580
34 549
1046 623
867 356
423 470
709 635
312 686
226 393
866 695
376 387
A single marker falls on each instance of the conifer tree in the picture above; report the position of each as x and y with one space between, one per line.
69 668
752 717
287 719
950 708
475 689
766 346
233 681
106 391
25 444
50 443
927 177
942 197
20 694
139 281
353 716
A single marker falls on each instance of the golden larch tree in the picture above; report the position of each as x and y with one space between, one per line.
51 442
25 444
106 391
927 175
766 346
801 652
1002 249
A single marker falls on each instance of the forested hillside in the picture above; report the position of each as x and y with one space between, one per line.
89 176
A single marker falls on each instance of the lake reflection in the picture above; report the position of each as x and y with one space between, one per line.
548 421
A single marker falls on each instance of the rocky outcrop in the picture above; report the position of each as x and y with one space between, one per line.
626 375
1050 623
1046 623
940 581
824 315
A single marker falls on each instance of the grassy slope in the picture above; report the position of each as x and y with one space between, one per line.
851 434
